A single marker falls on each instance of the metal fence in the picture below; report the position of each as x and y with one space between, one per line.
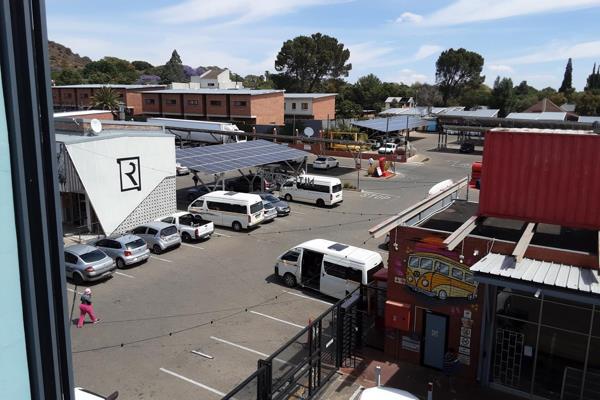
302 366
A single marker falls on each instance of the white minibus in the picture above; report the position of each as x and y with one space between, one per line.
231 209
321 190
334 269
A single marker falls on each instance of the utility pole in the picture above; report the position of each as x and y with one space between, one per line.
406 141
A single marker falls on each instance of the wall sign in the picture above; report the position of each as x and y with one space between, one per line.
129 173
411 344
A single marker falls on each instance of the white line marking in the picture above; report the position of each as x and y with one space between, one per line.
296 212
309 298
120 273
191 245
277 319
221 234
356 392
202 354
240 347
193 382
161 259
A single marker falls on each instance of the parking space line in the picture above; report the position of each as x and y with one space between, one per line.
296 212
193 382
222 234
239 346
194 246
161 259
120 273
277 319
309 298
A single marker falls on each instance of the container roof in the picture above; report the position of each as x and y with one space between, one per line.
546 115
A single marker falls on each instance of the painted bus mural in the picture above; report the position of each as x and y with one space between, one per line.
439 276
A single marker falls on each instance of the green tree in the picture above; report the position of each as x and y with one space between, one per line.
474 97
172 71
587 103
347 109
142 66
457 70
567 84
305 61
368 92
593 80
68 76
110 70
503 96
106 98
426 95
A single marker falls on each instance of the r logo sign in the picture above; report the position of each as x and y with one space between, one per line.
129 172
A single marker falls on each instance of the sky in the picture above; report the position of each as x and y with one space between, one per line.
397 40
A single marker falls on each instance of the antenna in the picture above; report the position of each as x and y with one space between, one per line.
96 126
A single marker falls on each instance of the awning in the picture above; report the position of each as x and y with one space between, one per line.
558 280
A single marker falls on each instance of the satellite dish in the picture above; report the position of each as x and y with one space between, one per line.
96 126
308 131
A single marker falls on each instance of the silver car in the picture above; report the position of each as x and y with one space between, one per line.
159 236
86 263
269 211
125 249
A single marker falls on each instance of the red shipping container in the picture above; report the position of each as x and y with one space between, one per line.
397 315
542 176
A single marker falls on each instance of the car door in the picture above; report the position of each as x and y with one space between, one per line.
141 232
214 212
70 263
108 246
333 279
197 207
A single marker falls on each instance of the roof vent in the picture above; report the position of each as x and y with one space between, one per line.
338 247
230 193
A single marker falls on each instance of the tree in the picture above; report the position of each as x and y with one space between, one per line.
567 84
426 94
368 92
587 103
593 80
68 76
110 70
305 61
106 98
142 66
474 97
347 109
503 96
173 71
257 82
457 70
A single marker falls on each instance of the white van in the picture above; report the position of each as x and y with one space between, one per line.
185 133
232 209
334 269
321 190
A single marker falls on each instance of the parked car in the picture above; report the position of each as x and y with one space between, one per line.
250 183
467 147
375 144
159 236
194 192
386 393
389 148
269 211
85 263
190 227
325 163
84 394
282 207
181 170
124 249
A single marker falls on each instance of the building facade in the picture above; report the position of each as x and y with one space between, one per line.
317 106
215 79
262 107
399 102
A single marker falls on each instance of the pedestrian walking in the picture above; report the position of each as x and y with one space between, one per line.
451 365
195 179
86 307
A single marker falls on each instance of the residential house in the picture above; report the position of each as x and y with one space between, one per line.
399 102
316 106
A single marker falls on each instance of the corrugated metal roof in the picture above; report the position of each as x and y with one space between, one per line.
251 92
392 124
110 85
537 272
491 112
590 119
80 113
70 138
547 115
308 95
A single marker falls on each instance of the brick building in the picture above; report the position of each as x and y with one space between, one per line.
317 106
79 97
262 107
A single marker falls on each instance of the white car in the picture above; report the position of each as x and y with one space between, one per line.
325 163
386 393
83 394
389 148
181 170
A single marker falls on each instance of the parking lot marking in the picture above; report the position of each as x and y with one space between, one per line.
239 346
120 273
222 234
296 212
277 319
309 298
193 382
191 245
199 353
375 196
161 259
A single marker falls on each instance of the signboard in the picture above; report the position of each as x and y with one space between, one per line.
411 344
129 172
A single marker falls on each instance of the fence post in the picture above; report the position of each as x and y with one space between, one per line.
264 380
378 376
339 337
430 391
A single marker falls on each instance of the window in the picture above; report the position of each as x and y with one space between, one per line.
469 279
149 101
354 275
70 258
373 271
211 205
135 244
198 204
336 188
256 207
192 102
140 230
426 264
216 103
305 106
152 231
441 268
338 247
288 184
240 103
413 262
291 256
168 220
457 274
293 106
92 256
168 231
211 84
335 270
102 243
187 219
84 95
171 101
69 95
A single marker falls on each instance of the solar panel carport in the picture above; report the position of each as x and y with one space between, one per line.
392 124
223 158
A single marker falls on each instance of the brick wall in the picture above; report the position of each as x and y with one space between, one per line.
216 105
268 108
171 104
134 101
193 104
151 103
84 97
324 108
239 106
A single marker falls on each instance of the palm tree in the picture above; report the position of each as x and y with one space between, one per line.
106 98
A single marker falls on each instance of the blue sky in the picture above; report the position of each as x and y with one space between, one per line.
398 40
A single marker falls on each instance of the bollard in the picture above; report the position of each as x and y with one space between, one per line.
430 391
378 375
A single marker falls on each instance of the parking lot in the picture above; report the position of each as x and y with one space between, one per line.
192 322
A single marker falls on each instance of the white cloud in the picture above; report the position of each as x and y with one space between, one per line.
467 11
427 50
409 17
409 76
366 55
557 52
500 68
232 11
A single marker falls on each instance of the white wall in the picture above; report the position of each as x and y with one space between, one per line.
97 166
298 111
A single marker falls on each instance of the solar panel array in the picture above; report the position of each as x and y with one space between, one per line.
394 124
232 156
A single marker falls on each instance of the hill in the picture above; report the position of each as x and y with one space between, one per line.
63 57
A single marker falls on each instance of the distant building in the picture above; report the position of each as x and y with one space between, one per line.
216 78
317 106
399 102
546 105
568 107
79 97
262 107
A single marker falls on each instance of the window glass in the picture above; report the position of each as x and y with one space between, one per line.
92 256
320 159
168 231
102 243
140 230
171 101
457 273
354 275
469 278
293 106
211 205
426 264
413 262
305 106
198 203
215 102
335 270
149 101
291 256
113 244
441 268
515 304
152 231
256 207
186 219
168 220
288 184
336 188
135 244
570 316
70 258
373 271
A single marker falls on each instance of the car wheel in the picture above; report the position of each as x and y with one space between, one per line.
288 197
78 279
337 164
186 237
236 226
289 280
120 263
156 249
442 295
320 203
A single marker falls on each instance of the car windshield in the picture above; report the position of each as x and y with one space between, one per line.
92 256
268 206
272 198
390 145
320 159
168 231
336 188
135 244
256 207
